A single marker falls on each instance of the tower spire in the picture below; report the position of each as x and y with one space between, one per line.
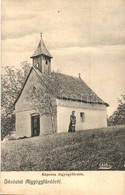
42 57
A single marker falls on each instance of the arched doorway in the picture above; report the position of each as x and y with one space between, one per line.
35 124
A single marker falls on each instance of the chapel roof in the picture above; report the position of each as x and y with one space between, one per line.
66 87
70 88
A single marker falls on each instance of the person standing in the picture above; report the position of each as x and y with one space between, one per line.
72 122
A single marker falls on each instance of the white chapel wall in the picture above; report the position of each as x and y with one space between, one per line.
23 123
95 115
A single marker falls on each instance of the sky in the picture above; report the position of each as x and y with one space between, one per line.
86 37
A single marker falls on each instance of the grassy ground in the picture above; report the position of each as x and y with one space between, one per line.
83 150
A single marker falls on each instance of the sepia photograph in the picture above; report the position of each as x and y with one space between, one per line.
63 85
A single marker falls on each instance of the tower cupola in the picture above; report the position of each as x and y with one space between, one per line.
42 58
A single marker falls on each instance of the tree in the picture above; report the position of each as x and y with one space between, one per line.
118 117
44 97
12 80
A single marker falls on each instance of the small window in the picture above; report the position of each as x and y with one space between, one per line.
34 90
46 62
82 117
37 65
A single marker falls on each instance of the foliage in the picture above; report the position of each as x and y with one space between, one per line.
82 150
43 97
118 117
12 80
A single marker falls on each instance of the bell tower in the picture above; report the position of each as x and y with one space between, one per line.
42 58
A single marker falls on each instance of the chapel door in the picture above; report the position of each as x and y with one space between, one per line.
35 125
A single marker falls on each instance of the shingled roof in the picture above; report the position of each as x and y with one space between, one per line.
70 88
41 50
67 87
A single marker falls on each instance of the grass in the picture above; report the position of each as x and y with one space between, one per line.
82 150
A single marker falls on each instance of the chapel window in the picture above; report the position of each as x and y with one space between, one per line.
37 65
34 90
82 117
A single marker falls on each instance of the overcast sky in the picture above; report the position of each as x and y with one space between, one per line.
83 36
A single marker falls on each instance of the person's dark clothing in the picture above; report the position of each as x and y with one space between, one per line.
72 123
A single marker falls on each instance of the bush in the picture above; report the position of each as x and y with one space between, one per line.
118 117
